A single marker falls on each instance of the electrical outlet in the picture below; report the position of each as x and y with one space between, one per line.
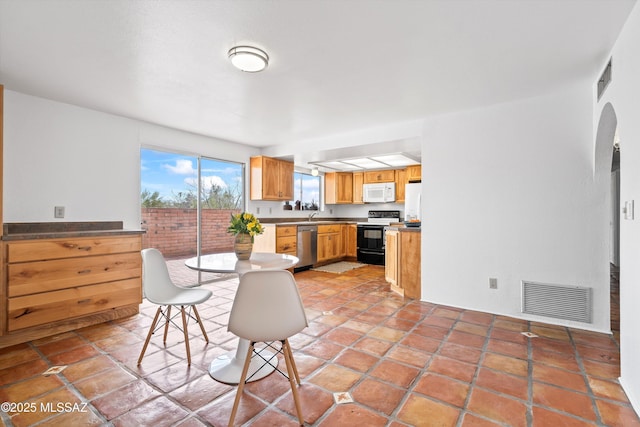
269 211
258 210
493 283
58 212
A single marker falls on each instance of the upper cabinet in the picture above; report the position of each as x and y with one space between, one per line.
358 180
338 188
373 177
414 173
401 180
271 179
346 187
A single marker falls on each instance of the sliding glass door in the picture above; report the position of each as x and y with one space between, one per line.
186 203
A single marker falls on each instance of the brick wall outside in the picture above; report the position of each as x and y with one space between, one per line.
173 231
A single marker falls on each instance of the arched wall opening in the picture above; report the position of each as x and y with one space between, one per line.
607 179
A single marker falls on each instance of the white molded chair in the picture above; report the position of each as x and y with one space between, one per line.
159 289
268 308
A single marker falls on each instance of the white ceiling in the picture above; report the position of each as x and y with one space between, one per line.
336 66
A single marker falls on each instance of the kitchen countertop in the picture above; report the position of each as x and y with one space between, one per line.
403 228
53 230
296 221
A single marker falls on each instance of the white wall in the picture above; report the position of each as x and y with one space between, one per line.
622 95
508 193
60 155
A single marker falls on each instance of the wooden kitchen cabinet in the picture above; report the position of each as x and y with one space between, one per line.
286 239
401 181
391 260
338 188
403 262
271 179
409 264
329 242
374 177
414 173
358 180
57 285
351 244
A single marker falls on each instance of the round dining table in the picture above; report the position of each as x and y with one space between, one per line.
227 368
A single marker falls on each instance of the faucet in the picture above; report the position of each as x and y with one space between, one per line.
311 215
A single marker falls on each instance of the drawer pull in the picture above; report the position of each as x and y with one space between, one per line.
24 313
84 271
84 248
84 301
69 245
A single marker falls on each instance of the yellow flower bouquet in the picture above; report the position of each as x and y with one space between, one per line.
245 223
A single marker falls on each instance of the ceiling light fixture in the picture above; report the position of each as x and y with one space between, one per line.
249 59
314 172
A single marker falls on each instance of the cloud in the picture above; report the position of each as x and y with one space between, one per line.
229 170
207 182
182 167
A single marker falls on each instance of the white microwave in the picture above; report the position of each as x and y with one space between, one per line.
379 193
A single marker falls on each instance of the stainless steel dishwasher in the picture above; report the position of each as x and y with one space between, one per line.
307 246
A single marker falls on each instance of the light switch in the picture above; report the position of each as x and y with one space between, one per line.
628 209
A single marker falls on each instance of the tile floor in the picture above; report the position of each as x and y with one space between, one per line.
405 363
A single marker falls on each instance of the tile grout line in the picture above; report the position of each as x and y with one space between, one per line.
464 410
585 378
371 368
67 383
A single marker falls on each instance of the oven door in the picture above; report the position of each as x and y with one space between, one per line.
371 244
371 237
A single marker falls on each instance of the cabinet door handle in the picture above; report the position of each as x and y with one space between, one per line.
84 271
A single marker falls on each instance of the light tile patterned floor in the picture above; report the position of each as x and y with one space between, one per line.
404 363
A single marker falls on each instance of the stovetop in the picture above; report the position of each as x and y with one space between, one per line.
382 218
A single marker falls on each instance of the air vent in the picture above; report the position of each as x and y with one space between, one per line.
604 80
558 301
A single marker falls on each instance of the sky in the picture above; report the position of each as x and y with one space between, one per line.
170 173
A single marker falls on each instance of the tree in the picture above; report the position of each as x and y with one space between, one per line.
151 200
212 197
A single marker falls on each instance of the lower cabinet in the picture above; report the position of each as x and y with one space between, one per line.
350 236
287 239
391 260
56 285
329 242
334 241
409 277
402 262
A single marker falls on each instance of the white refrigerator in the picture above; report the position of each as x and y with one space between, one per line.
412 201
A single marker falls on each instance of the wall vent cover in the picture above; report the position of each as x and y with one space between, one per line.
559 301
604 80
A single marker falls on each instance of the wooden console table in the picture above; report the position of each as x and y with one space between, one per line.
64 276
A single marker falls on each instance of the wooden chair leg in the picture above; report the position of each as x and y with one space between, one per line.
288 359
293 361
186 334
146 342
195 311
166 325
243 378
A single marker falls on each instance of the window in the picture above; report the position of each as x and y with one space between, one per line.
170 180
186 202
306 192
